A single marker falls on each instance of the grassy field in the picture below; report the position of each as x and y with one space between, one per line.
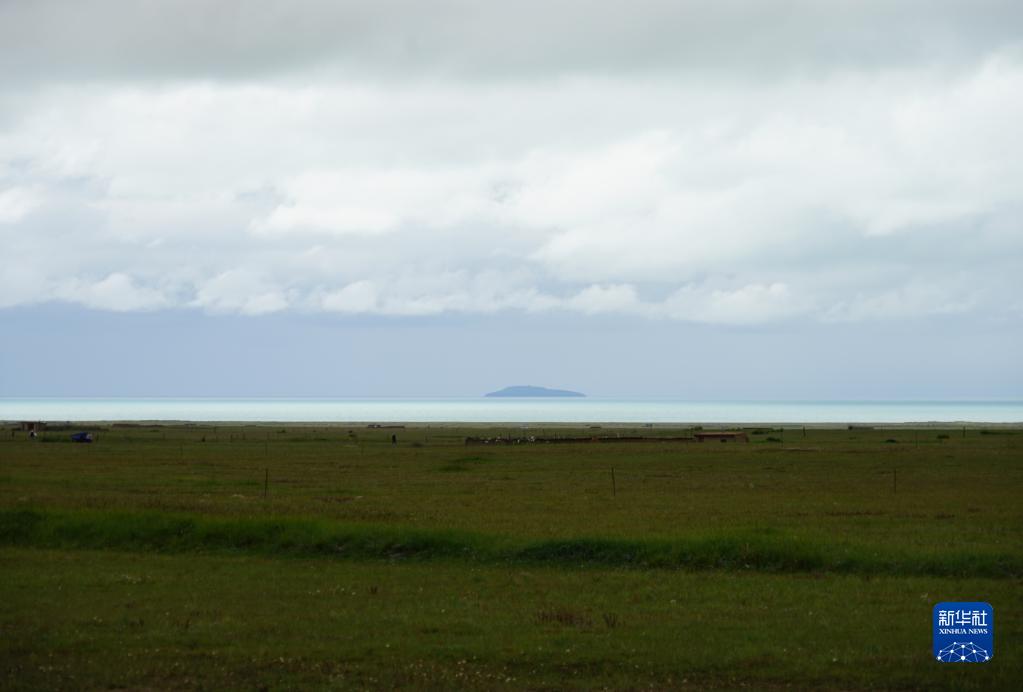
323 556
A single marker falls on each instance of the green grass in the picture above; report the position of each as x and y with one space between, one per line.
75 619
763 550
157 557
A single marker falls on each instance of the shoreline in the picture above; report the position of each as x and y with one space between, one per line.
619 425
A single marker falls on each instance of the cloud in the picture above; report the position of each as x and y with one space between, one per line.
17 202
356 297
690 169
403 39
372 200
240 290
596 299
905 302
116 292
749 304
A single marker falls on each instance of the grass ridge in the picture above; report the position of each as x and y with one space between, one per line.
758 550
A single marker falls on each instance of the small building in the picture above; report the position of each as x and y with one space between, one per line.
723 435
32 426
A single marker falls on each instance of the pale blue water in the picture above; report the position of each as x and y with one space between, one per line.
481 410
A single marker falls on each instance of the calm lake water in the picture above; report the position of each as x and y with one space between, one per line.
481 410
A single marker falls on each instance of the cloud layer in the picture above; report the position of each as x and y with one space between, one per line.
707 162
468 39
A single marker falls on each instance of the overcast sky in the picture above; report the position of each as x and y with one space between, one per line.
802 199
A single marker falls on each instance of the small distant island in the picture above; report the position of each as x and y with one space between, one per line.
531 391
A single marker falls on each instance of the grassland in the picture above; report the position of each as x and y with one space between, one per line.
323 556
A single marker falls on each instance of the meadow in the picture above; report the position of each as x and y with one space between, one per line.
315 556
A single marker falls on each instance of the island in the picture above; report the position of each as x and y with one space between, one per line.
531 391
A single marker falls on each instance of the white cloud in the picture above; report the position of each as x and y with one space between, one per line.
596 299
376 201
18 202
117 292
359 296
239 290
852 195
908 301
749 304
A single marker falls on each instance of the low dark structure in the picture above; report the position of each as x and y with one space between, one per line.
724 436
32 426
81 437
568 440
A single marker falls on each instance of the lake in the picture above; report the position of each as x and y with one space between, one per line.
514 410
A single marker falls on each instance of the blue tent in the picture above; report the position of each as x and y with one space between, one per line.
81 437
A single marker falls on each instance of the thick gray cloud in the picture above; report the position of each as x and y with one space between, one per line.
189 39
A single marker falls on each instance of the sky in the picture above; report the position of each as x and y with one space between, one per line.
798 199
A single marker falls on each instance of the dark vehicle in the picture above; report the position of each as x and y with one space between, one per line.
81 437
